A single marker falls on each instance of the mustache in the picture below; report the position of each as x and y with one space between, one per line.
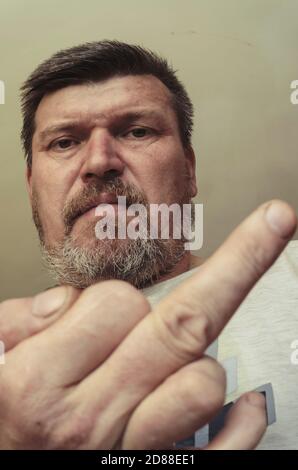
90 197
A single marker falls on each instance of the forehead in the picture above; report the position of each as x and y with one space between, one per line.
106 98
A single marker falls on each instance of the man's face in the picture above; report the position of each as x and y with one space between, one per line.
121 130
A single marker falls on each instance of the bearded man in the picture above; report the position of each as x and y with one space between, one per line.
91 364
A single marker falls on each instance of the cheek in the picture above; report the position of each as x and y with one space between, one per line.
165 179
53 182
48 193
51 189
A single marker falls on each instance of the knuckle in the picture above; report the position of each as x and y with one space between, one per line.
209 379
214 369
208 400
126 292
183 332
72 433
72 294
119 293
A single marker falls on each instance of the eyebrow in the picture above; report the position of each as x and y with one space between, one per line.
75 124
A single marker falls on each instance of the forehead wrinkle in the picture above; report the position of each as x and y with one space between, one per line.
138 87
71 121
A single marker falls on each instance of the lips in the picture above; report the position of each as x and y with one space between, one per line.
104 198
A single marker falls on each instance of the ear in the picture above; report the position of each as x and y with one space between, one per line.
28 176
191 167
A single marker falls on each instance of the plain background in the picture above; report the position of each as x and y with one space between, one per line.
236 59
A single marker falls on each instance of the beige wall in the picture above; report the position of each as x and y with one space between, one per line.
236 58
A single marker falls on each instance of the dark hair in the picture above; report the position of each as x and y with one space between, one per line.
93 62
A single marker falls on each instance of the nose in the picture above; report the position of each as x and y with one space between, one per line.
102 158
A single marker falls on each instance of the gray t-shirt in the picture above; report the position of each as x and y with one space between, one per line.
262 336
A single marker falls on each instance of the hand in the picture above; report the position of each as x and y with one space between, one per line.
101 372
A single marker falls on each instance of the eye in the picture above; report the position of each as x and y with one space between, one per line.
62 144
139 132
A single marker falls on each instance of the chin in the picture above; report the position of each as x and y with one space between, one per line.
89 244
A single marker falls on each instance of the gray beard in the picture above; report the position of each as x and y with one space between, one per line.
140 262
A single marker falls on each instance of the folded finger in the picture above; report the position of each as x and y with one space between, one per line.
183 403
89 332
245 424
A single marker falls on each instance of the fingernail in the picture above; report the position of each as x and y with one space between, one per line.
256 399
49 302
281 219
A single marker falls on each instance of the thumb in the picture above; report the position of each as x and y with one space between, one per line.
22 318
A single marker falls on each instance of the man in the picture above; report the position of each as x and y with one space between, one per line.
88 365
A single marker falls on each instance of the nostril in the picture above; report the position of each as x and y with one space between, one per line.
107 176
89 175
110 174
